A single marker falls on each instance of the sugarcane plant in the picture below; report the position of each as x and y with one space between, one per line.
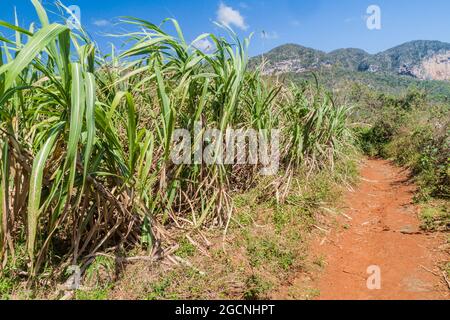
86 138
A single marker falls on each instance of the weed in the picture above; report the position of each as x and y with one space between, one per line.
435 218
186 249
100 293
256 288
263 251
6 287
159 289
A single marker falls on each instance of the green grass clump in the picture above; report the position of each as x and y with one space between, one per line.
186 249
95 294
256 288
6 287
436 218
158 290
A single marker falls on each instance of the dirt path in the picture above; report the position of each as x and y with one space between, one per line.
383 231
379 227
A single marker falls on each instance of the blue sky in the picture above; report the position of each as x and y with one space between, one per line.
320 24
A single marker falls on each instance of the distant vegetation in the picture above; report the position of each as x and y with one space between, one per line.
341 80
394 71
413 132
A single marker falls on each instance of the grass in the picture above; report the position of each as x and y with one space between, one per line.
6 288
158 290
186 249
435 218
256 288
265 252
93 294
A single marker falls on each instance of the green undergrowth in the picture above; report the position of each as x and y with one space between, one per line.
266 244
435 217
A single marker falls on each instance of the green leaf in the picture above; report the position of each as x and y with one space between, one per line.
34 197
78 105
131 131
167 112
37 43
42 14
15 28
4 193
90 121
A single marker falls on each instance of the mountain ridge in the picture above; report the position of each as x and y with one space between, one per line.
420 59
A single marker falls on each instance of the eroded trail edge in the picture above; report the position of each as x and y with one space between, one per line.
382 230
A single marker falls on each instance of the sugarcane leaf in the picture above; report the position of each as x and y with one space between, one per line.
34 198
37 43
77 109
90 121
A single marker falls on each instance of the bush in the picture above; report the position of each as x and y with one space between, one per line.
413 133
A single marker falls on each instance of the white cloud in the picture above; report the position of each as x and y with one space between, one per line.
229 16
271 35
102 23
204 45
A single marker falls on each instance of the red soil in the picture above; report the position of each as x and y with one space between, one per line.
384 231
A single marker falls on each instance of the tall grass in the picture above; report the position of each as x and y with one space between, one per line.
86 139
